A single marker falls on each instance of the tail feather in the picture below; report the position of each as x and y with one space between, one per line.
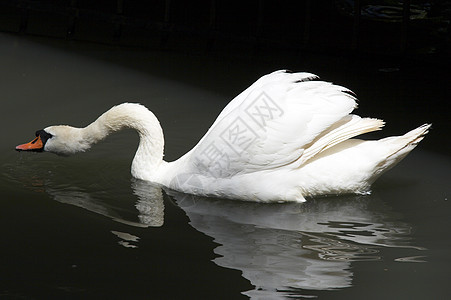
400 146
410 140
419 133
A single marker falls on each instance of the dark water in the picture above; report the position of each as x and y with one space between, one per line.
81 227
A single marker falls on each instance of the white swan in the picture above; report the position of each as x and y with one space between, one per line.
286 137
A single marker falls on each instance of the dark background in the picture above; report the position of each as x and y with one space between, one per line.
249 27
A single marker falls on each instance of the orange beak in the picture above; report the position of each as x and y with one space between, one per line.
34 145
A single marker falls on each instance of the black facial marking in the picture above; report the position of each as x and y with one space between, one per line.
44 135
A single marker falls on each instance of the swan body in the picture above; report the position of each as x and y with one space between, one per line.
286 137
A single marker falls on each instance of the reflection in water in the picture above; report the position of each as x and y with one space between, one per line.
149 206
106 196
126 239
282 249
292 246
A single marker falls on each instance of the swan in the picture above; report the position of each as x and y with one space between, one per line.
286 137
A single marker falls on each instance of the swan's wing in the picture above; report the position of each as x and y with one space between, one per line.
283 119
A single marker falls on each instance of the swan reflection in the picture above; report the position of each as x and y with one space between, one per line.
292 246
149 207
107 196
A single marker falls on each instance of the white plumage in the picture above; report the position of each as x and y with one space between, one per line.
286 137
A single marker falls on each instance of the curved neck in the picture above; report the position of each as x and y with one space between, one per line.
135 116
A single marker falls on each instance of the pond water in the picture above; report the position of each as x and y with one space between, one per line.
81 227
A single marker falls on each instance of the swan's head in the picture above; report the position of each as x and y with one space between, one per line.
61 140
